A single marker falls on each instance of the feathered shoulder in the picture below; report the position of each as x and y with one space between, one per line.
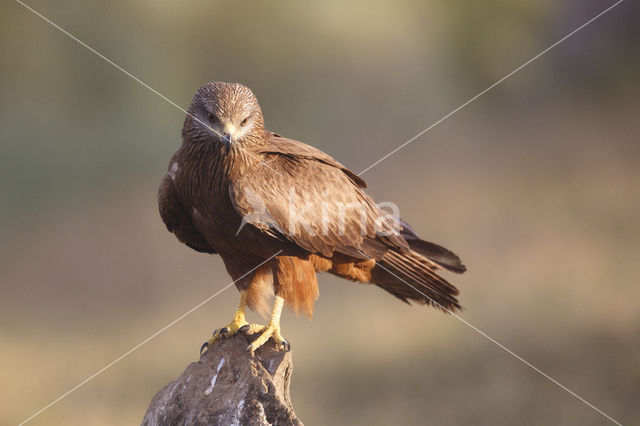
291 148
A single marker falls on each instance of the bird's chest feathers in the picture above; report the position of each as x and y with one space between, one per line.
203 179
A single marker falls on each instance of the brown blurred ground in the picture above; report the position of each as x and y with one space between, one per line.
536 186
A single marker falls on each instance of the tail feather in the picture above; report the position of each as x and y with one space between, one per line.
412 277
417 262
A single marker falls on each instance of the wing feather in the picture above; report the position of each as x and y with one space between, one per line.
316 206
294 149
177 220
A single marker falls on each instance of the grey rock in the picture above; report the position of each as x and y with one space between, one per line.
229 386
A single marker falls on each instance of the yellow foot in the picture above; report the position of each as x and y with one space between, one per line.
271 330
232 328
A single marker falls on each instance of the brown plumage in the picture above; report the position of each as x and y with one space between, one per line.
238 190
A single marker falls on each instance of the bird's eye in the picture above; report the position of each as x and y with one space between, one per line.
212 117
244 122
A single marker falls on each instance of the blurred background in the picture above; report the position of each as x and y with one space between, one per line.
536 185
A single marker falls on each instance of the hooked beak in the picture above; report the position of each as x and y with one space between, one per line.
228 132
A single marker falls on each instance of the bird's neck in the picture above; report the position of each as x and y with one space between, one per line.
238 159
241 156
222 164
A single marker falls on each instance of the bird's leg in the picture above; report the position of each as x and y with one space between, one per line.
236 323
272 329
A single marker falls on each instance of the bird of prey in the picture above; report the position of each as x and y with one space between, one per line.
278 211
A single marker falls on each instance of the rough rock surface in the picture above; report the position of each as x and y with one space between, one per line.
229 386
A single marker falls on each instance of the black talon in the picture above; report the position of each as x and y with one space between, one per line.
215 332
204 346
285 345
244 328
223 331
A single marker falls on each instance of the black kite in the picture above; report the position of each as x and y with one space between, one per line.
236 189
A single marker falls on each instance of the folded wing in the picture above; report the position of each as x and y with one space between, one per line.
303 195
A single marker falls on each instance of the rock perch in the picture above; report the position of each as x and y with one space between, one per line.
229 386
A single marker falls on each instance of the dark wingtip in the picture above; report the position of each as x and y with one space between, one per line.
355 178
458 268
438 254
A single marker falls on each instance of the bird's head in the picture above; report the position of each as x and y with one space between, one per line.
226 113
